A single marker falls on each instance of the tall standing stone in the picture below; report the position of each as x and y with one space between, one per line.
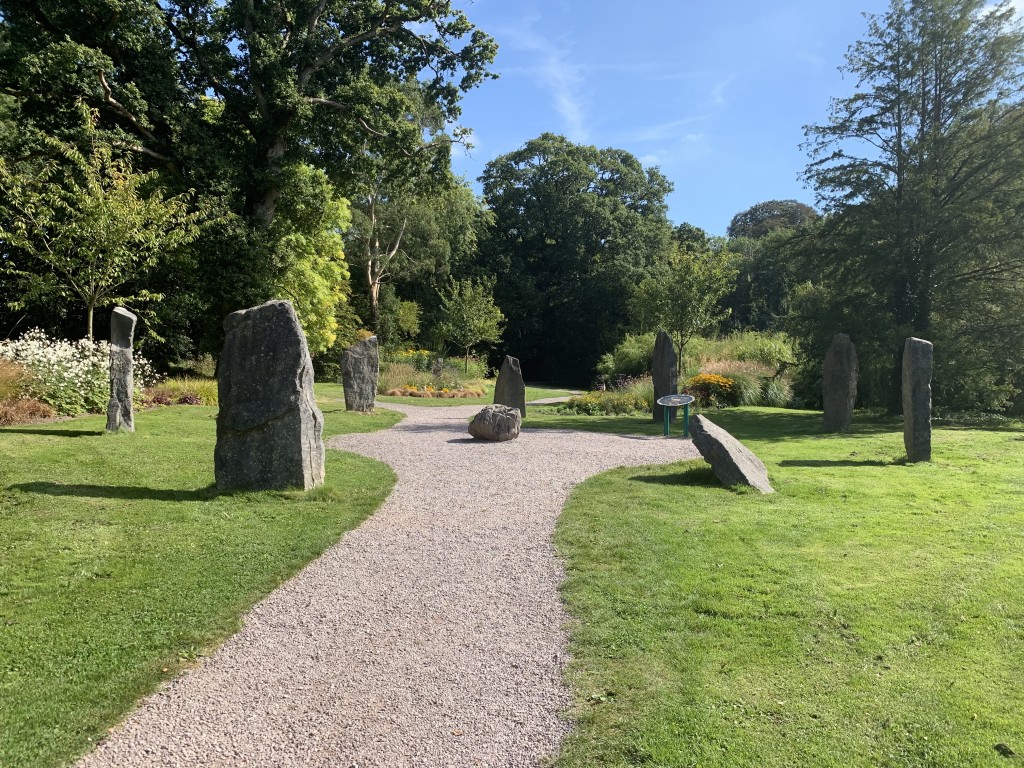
510 389
665 372
122 381
360 368
917 399
269 429
839 383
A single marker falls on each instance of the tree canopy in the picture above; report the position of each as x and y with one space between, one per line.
574 229
764 218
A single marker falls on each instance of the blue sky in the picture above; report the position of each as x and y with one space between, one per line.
714 93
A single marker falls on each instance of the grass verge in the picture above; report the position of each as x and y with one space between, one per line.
120 564
869 613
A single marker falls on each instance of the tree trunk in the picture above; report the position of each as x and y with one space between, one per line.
466 369
90 308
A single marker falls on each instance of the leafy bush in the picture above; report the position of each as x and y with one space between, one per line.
776 392
710 389
643 388
631 357
611 403
73 377
183 390
746 388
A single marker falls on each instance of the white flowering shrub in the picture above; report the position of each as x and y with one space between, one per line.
72 376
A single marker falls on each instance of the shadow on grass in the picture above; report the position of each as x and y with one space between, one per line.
118 491
57 432
751 424
839 463
697 476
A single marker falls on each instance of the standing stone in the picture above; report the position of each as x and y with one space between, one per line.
509 389
731 461
122 383
839 383
497 423
917 399
664 367
269 429
360 367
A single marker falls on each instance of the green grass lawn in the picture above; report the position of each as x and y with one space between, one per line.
119 563
870 613
533 392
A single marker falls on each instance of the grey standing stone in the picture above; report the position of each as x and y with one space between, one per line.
665 372
122 380
917 399
731 461
839 383
269 429
360 368
497 423
509 389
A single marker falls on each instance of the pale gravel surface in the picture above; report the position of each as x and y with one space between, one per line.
432 635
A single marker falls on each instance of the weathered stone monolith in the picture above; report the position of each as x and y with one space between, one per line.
917 399
731 461
839 383
269 429
360 368
665 372
122 381
509 389
496 423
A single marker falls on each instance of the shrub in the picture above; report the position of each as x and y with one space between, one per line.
183 390
73 377
631 357
23 410
746 388
13 378
641 387
611 403
776 392
710 389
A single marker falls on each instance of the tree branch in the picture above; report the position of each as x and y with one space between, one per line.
120 109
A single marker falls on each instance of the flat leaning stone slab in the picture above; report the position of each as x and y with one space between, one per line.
731 461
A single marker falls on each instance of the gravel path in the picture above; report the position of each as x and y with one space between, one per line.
432 635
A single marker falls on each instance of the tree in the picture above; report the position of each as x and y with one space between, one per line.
758 220
574 229
89 225
227 97
685 295
311 250
469 315
920 170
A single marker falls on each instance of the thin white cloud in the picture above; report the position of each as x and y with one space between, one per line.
555 71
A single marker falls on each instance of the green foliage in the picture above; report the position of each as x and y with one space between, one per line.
631 356
684 295
310 249
643 388
85 225
182 390
575 227
72 377
711 390
607 403
469 316
920 169
776 392
866 614
764 218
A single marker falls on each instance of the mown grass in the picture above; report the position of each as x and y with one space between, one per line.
120 564
867 614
